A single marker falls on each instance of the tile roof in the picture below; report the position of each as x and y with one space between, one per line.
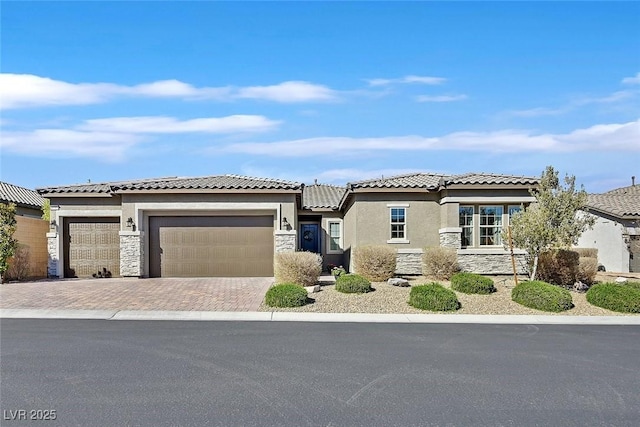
321 196
21 196
632 189
217 182
434 181
618 205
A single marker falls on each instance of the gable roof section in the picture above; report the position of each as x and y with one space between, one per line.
630 190
21 196
414 180
621 203
321 196
491 179
217 182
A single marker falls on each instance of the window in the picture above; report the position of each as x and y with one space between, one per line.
398 223
490 225
335 237
466 223
514 209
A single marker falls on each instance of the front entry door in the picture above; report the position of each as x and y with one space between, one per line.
310 238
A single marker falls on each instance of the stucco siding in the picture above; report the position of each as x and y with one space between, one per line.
608 236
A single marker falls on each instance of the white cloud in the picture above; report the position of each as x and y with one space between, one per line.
613 98
440 98
288 92
428 80
632 80
27 90
106 146
160 124
540 111
596 138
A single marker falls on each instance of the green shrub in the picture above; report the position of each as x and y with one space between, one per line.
615 297
558 267
286 295
375 263
352 284
433 297
542 296
301 268
587 270
338 271
471 283
440 263
635 285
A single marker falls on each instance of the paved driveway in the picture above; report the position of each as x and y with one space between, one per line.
200 294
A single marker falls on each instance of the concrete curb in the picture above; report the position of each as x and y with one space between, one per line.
278 316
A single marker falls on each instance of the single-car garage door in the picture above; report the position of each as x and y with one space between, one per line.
211 246
91 245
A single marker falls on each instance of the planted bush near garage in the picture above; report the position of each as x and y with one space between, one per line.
302 268
623 298
434 297
542 296
471 283
286 295
352 284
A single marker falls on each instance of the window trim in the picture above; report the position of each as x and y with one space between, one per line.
405 208
472 227
340 249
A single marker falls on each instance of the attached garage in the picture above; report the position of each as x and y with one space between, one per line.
211 246
91 245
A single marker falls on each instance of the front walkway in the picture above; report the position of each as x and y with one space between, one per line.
183 294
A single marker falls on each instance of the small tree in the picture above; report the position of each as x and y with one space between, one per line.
553 221
46 210
7 243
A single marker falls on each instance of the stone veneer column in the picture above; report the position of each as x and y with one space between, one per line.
451 237
52 249
285 241
131 253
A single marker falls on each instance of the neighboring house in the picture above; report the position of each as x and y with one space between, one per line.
616 233
30 228
231 225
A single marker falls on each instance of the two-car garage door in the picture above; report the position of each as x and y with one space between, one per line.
211 246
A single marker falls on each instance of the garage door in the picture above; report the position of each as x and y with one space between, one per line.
634 254
211 246
91 245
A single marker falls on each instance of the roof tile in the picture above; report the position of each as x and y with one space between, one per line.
19 195
321 196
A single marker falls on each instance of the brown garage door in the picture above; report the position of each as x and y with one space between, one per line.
211 246
91 245
634 254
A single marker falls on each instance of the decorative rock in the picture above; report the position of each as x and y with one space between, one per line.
396 281
621 280
312 289
580 287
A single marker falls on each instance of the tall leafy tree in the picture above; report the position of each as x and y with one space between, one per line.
7 243
553 221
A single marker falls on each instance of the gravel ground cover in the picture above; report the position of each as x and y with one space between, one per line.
391 299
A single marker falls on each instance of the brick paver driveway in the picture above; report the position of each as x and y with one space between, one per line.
200 294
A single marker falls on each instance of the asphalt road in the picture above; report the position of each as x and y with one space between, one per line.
165 373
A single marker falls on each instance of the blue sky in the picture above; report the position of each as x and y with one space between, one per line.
108 91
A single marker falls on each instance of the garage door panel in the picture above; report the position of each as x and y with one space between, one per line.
91 245
215 246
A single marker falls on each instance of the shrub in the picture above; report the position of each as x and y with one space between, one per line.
558 267
586 252
433 297
635 285
375 263
615 297
19 264
471 283
440 263
338 271
352 284
286 295
301 268
542 296
587 270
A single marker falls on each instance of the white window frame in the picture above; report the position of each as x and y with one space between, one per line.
498 234
405 238
340 237
470 227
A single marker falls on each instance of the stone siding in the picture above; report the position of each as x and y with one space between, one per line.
131 253
285 241
491 263
451 238
409 261
52 249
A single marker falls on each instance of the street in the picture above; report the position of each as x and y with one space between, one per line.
166 373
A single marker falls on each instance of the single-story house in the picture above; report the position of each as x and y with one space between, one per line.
616 233
30 228
229 225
